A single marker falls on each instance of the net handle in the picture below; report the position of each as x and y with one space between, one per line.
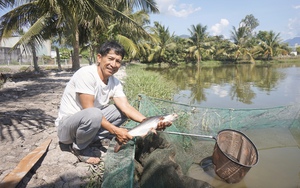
187 134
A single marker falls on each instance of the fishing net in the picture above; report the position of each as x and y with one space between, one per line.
119 167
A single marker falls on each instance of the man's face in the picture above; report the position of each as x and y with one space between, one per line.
109 64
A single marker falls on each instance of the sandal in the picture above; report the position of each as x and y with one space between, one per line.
85 154
101 146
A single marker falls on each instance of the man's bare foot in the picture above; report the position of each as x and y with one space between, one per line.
89 160
86 155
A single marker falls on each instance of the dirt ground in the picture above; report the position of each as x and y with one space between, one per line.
28 107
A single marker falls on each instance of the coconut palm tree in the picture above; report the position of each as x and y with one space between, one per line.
163 45
39 16
70 15
269 43
128 29
219 48
197 39
181 45
241 43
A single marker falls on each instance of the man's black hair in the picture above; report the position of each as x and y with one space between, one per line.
111 45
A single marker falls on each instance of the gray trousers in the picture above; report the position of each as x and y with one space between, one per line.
84 127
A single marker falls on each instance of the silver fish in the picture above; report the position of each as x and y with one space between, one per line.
149 124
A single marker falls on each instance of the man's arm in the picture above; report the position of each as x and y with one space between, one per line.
87 101
123 104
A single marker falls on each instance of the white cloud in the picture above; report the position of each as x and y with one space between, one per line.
184 10
219 27
294 27
171 7
296 7
164 4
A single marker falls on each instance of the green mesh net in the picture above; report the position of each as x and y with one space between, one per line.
119 167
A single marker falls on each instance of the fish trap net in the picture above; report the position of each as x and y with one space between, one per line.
119 168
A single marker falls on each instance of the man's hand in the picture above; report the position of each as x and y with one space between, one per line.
163 125
122 135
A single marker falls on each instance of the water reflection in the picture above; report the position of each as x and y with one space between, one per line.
236 86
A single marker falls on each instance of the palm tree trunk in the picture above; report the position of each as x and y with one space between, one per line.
237 57
34 58
75 55
91 58
58 58
199 57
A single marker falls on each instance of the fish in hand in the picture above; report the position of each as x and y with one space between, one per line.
148 125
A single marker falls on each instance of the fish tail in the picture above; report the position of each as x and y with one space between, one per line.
117 147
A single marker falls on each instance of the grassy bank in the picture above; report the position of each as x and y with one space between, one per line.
140 81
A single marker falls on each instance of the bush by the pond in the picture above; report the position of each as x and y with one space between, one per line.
140 81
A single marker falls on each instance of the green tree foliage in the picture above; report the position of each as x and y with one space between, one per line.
83 25
298 50
71 18
198 35
241 40
250 23
269 43
220 48
163 47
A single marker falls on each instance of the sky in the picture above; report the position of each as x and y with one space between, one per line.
280 16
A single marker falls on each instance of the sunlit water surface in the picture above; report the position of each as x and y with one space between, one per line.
248 86
268 87
278 165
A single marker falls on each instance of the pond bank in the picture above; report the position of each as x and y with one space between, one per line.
28 108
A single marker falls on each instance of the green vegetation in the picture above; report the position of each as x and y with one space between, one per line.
4 69
298 49
76 24
79 27
140 81
278 60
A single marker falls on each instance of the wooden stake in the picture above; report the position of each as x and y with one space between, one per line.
12 179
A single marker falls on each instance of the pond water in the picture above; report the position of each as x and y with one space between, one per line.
278 165
236 86
249 87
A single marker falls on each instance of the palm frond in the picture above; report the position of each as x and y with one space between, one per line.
128 44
